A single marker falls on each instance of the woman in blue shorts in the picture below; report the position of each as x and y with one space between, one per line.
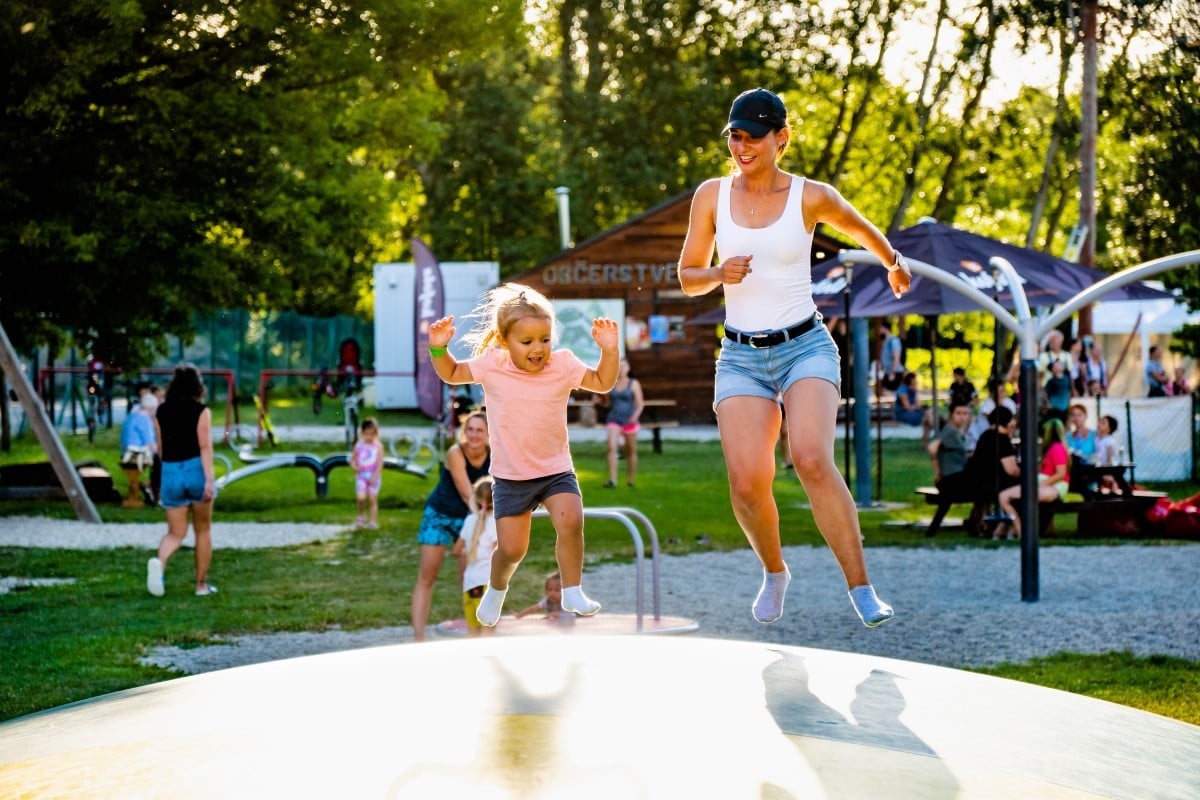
466 462
760 221
183 425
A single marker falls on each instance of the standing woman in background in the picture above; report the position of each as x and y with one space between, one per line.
448 505
760 220
183 426
625 404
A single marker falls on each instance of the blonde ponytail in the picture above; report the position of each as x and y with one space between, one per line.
481 507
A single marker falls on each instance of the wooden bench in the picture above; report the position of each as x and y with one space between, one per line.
1136 500
934 498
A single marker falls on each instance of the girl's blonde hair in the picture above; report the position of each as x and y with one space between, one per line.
481 507
501 308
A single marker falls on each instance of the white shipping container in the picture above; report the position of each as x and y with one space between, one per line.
395 314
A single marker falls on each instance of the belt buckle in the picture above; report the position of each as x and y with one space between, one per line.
752 341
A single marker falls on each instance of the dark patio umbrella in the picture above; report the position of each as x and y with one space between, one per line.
1048 280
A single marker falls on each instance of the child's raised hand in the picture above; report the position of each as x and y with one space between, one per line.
605 331
441 332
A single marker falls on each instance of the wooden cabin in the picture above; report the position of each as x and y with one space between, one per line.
671 339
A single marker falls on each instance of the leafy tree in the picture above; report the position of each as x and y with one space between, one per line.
163 159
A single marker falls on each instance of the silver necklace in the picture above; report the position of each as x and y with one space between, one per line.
766 194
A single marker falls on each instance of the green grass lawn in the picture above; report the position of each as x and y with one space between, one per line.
71 642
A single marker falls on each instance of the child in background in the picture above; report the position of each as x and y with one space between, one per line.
367 463
527 385
474 549
551 604
1107 450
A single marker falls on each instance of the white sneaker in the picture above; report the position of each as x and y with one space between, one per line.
154 578
207 590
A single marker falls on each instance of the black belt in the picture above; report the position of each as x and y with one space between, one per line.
761 340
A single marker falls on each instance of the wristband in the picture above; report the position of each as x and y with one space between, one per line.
437 352
895 265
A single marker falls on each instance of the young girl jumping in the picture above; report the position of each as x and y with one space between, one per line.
367 463
527 385
474 549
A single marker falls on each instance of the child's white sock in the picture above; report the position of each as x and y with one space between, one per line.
573 599
871 610
768 606
490 606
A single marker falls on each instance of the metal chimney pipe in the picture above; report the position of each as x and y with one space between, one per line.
564 216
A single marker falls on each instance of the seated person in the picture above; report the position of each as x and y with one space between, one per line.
993 467
908 408
1107 450
551 603
1081 440
949 453
997 395
1053 478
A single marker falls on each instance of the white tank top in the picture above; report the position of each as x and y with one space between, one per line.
777 293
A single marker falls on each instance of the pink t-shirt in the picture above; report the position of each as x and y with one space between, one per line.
527 413
1055 454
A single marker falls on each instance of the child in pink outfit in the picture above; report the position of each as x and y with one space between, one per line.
367 463
527 385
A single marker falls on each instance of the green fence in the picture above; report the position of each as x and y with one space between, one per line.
250 341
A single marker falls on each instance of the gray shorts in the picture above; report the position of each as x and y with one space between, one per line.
514 498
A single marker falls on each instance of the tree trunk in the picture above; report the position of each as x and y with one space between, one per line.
924 112
821 171
1087 152
943 207
872 80
1066 51
5 421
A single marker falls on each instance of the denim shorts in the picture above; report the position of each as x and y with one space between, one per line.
438 528
768 372
514 498
182 483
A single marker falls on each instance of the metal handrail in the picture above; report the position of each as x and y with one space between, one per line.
622 515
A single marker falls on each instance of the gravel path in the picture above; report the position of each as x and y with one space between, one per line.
70 534
955 608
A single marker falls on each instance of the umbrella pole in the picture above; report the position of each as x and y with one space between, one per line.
933 373
879 435
847 390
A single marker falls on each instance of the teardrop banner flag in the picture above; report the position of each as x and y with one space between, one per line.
430 307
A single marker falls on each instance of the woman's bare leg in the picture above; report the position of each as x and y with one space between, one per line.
427 571
202 526
177 525
749 427
631 457
613 442
812 415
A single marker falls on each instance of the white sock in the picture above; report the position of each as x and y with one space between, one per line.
768 606
573 599
490 606
871 610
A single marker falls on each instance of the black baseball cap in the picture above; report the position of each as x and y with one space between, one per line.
757 112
